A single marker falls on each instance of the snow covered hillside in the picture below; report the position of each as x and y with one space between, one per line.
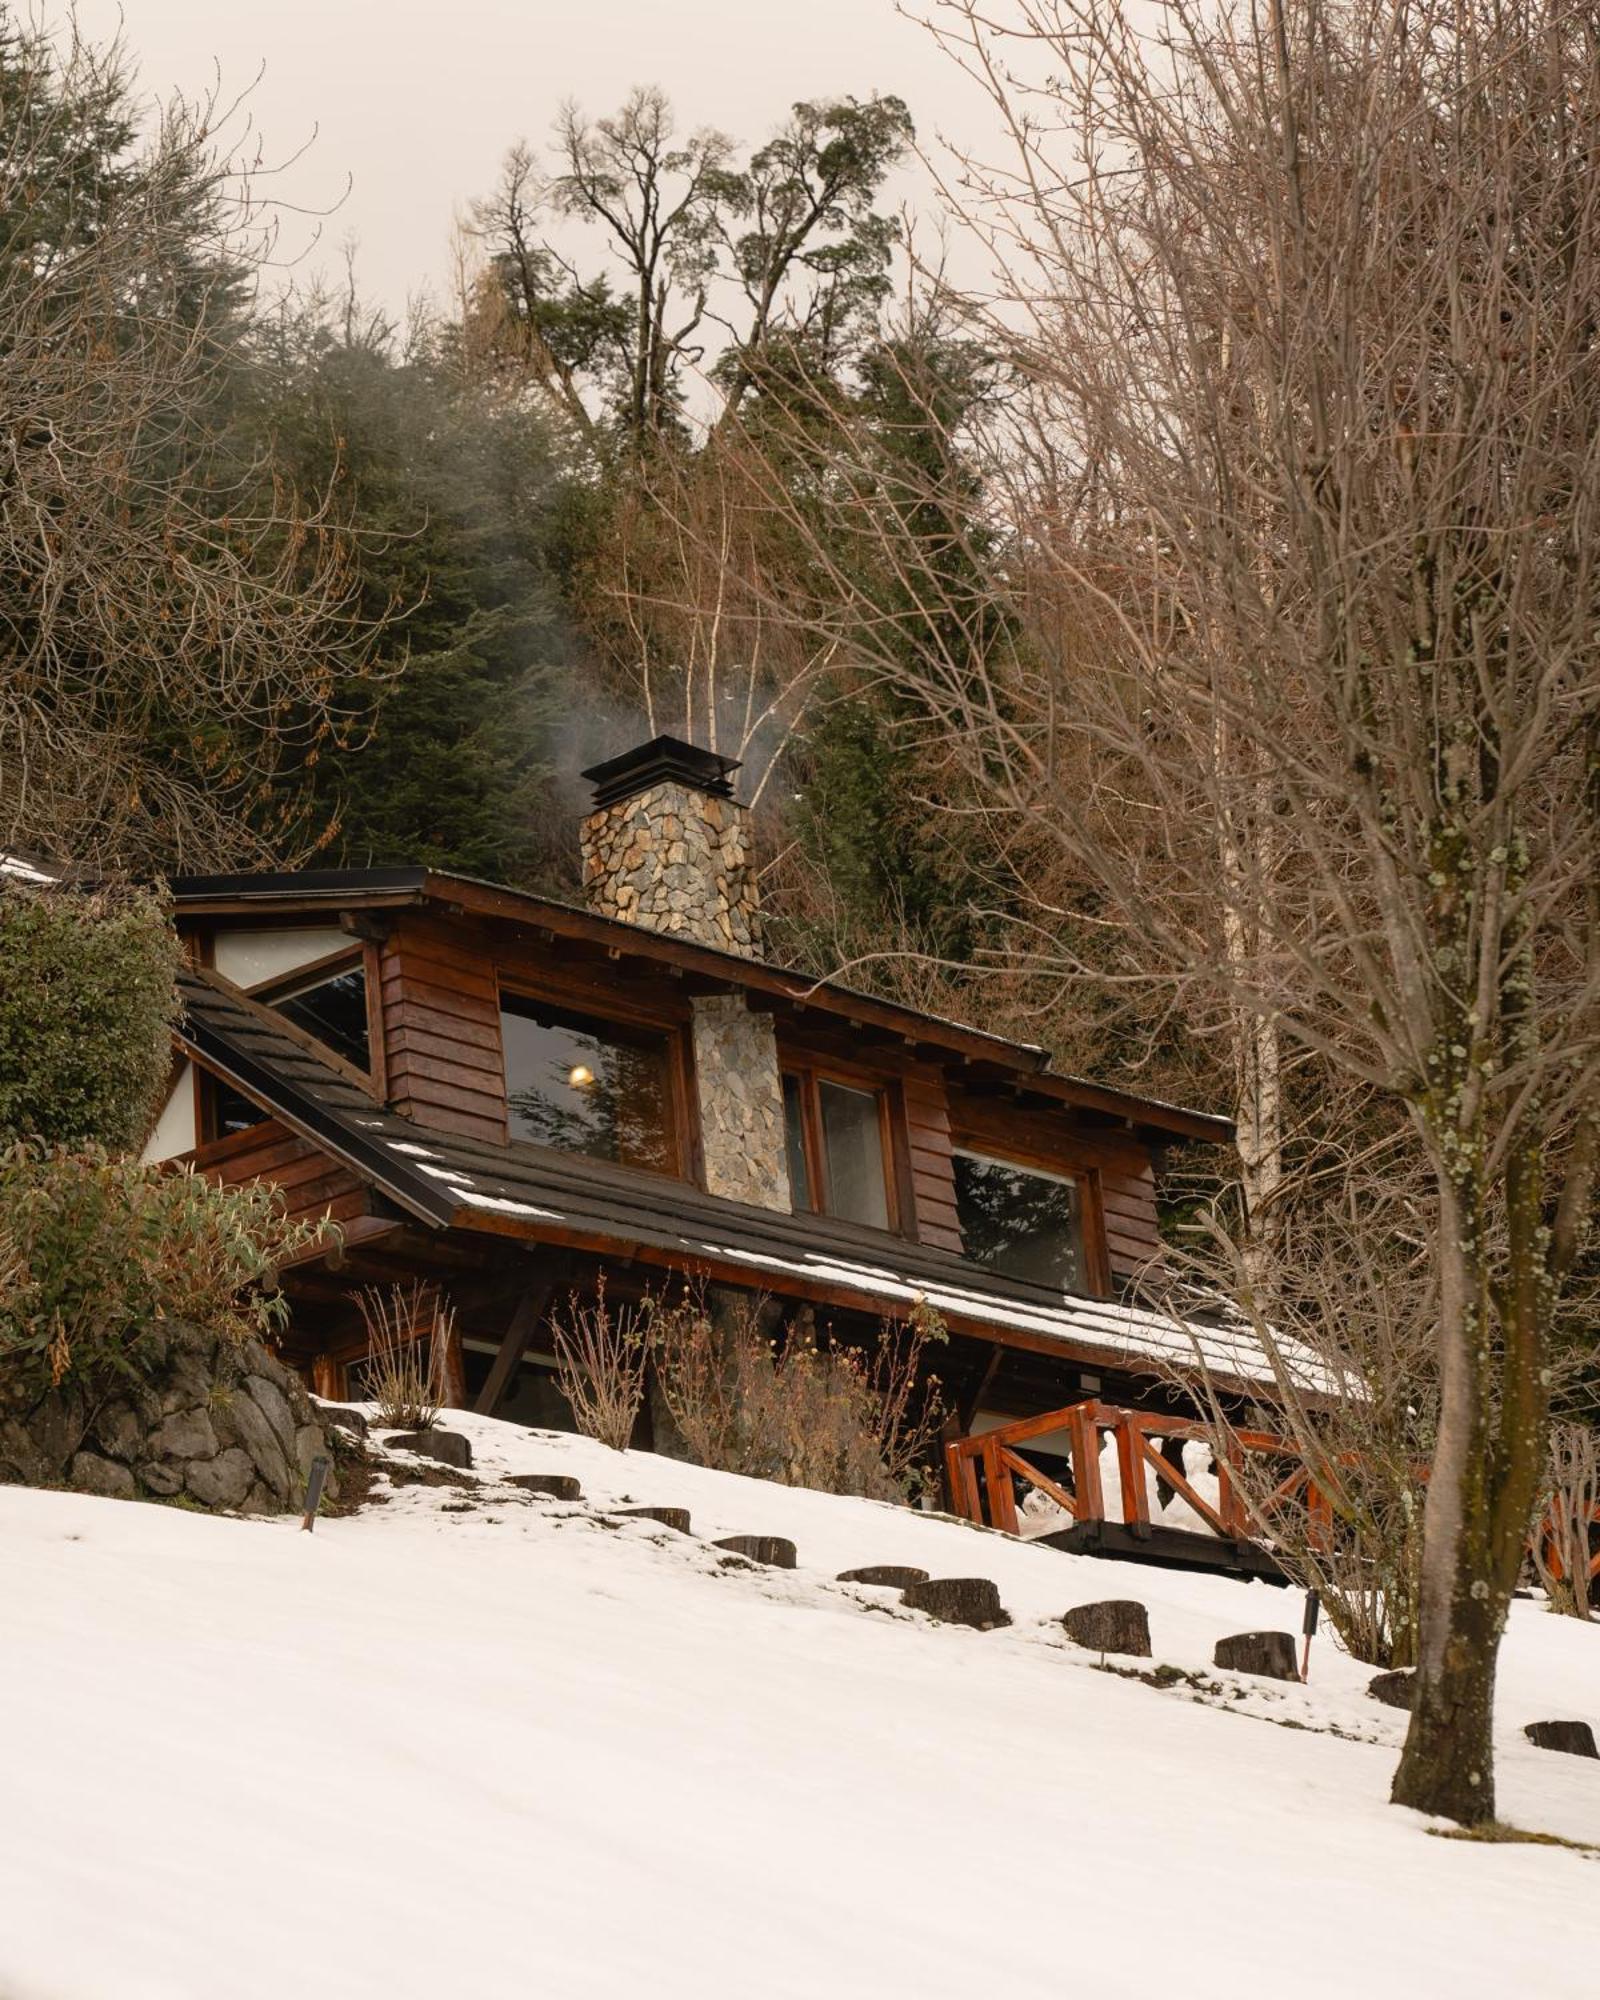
474 1744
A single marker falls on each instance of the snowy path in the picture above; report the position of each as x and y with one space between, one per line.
514 1752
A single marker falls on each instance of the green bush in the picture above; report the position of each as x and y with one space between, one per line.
98 1255
87 1002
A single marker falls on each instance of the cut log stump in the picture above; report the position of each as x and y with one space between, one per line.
550 1485
893 1576
1575 1738
1397 1689
958 1600
670 1517
1116 1625
1269 1654
448 1447
772 1550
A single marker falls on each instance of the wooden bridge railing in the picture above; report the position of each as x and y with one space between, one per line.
991 1501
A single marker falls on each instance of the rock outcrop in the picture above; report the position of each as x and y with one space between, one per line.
220 1424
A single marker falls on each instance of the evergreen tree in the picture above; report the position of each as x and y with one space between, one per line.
455 498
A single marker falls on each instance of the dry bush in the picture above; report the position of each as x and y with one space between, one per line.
601 1358
1362 1304
1562 1546
407 1369
799 1411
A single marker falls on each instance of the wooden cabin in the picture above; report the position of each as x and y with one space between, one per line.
510 1095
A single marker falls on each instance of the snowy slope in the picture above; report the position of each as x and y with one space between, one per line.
513 1751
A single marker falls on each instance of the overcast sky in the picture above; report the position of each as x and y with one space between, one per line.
416 100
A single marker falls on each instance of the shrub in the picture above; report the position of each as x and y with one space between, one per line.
86 1005
407 1369
601 1357
799 1411
98 1254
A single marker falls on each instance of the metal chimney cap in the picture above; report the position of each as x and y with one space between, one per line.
664 760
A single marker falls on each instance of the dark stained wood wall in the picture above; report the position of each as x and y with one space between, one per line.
441 1030
312 1184
932 1173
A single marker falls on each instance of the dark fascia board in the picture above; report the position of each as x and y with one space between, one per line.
311 1121
1024 1062
292 887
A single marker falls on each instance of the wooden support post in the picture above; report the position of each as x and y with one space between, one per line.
455 1371
1085 1435
1002 1501
530 1309
329 1379
1130 1462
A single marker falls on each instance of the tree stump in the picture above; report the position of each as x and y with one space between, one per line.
1575 1738
448 1447
670 1517
891 1575
772 1550
958 1600
551 1485
1116 1625
1268 1654
1397 1689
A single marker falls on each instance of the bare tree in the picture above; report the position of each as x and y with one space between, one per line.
176 629
682 596
1352 1284
1291 518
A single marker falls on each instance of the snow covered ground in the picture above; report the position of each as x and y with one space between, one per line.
512 1750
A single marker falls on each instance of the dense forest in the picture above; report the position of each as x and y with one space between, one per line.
382 590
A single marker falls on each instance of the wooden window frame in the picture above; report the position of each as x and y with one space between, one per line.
205 1112
285 985
683 1130
1091 1212
891 1122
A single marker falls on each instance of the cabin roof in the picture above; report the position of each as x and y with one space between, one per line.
1025 1064
448 1181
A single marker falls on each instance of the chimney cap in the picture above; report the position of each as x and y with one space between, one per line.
663 760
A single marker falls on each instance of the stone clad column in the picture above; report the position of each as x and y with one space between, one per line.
741 1102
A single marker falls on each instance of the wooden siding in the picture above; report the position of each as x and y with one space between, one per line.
441 1031
933 1181
312 1184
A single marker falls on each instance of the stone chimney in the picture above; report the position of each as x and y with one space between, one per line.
665 846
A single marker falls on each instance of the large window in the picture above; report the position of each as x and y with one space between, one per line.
585 1086
834 1138
1021 1222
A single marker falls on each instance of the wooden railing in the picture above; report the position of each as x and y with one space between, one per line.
982 1469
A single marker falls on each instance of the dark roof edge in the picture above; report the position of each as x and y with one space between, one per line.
255 886
423 1198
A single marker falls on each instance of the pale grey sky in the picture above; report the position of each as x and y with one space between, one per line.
416 100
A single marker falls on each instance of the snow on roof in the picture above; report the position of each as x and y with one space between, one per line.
24 871
1126 1331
